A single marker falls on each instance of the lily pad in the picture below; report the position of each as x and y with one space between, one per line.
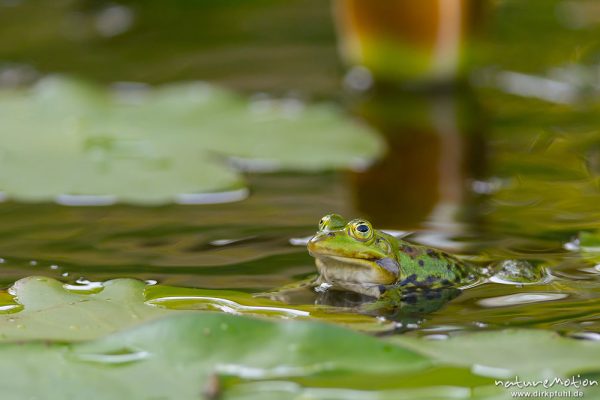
220 355
183 354
76 143
45 309
506 353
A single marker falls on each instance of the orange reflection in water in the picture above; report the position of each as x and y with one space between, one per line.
436 151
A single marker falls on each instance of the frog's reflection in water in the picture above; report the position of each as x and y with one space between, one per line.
407 306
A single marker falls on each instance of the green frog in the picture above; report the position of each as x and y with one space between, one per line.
353 256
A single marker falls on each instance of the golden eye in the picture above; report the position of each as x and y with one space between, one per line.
361 230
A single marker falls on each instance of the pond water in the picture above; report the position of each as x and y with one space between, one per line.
481 173
522 209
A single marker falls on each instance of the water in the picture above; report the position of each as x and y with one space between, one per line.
242 246
478 172
255 246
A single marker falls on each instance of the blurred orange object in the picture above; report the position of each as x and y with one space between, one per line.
407 40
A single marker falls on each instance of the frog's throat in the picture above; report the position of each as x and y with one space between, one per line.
382 271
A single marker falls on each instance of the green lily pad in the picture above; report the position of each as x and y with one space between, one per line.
218 355
78 144
45 309
506 353
223 355
165 353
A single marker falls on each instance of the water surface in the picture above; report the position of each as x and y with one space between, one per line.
492 172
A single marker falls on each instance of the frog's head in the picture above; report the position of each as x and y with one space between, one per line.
353 252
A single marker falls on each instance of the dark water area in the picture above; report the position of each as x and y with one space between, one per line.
489 173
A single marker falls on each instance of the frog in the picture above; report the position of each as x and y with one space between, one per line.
353 256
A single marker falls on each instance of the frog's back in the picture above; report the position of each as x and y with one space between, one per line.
422 266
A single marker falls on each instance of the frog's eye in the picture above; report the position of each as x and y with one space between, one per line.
331 222
361 230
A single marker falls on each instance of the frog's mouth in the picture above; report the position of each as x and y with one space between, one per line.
336 269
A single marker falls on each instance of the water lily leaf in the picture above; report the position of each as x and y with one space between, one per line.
506 353
44 309
190 353
232 357
78 144
184 356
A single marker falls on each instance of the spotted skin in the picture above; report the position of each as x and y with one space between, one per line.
426 267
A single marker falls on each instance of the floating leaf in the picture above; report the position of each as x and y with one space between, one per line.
187 355
506 353
234 357
75 143
46 310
